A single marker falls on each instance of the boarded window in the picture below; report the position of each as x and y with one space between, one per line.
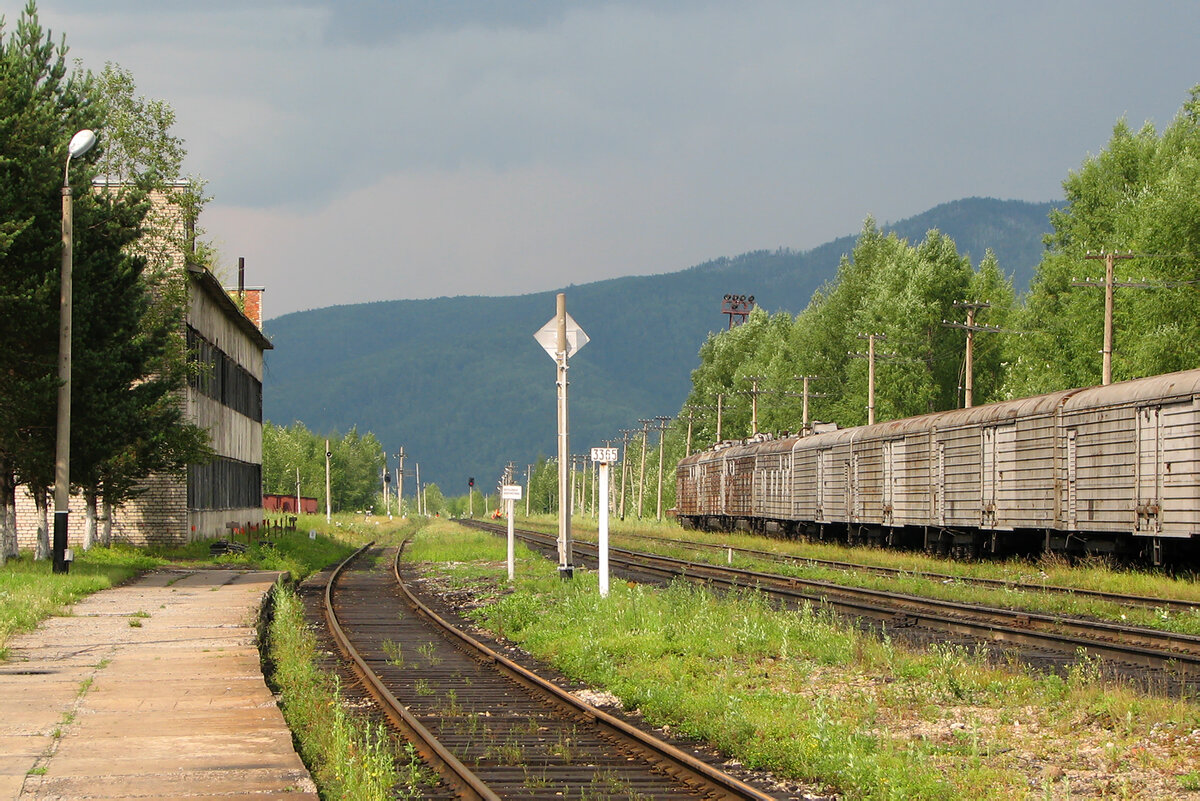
219 377
224 484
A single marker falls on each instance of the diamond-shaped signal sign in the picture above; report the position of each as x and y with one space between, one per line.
547 337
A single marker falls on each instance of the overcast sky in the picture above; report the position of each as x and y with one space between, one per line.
364 150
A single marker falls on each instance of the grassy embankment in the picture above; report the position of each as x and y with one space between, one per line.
347 755
809 698
1022 576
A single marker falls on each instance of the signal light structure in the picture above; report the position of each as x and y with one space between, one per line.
738 307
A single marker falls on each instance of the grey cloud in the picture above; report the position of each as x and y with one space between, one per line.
372 22
720 126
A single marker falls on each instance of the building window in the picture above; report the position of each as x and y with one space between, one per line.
224 484
219 377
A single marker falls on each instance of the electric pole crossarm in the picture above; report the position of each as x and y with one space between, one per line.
971 327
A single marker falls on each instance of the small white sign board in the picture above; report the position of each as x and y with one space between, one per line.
510 492
547 337
607 455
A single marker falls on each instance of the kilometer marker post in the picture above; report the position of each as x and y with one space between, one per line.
510 493
603 456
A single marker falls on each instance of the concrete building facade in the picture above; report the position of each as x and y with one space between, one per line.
224 396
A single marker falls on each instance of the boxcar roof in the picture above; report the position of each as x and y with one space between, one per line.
1172 385
1157 387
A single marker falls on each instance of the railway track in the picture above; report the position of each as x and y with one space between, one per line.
1173 658
1122 599
488 726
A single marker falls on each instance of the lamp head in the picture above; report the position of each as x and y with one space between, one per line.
81 143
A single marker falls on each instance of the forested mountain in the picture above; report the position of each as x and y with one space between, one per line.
463 386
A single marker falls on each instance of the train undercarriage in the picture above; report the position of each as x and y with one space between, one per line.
968 544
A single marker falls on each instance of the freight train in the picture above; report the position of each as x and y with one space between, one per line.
1111 470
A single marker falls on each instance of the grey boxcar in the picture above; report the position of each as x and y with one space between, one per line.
1098 469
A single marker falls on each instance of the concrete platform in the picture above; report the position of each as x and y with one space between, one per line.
151 690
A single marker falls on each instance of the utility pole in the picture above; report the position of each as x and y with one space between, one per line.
804 426
386 480
662 439
583 483
400 481
1110 259
297 494
608 443
642 468
420 492
720 397
528 486
573 461
870 356
692 409
754 393
971 328
625 434
328 507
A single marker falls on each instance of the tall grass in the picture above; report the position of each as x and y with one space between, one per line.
810 698
348 756
1024 577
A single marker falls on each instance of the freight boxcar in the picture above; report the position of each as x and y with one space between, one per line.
1112 469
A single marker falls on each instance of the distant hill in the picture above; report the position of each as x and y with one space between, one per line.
463 386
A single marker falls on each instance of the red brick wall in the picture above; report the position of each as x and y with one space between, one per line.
253 306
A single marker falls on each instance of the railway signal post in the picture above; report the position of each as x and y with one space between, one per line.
602 457
561 338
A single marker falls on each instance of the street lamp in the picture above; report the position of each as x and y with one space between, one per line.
80 143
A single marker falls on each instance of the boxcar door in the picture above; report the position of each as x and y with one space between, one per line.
854 497
823 462
893 452
725 465
939 483
1004 481
1072 497
987 477
1149 469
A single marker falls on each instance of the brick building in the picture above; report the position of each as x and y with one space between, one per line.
224 396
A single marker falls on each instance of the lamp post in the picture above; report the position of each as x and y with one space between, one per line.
80 143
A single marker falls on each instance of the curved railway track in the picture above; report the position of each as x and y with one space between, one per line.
491 728
1173 658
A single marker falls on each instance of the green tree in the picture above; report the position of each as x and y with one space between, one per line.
543 486
884 286
435 501
128 360
1138 195
355 465
42 104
